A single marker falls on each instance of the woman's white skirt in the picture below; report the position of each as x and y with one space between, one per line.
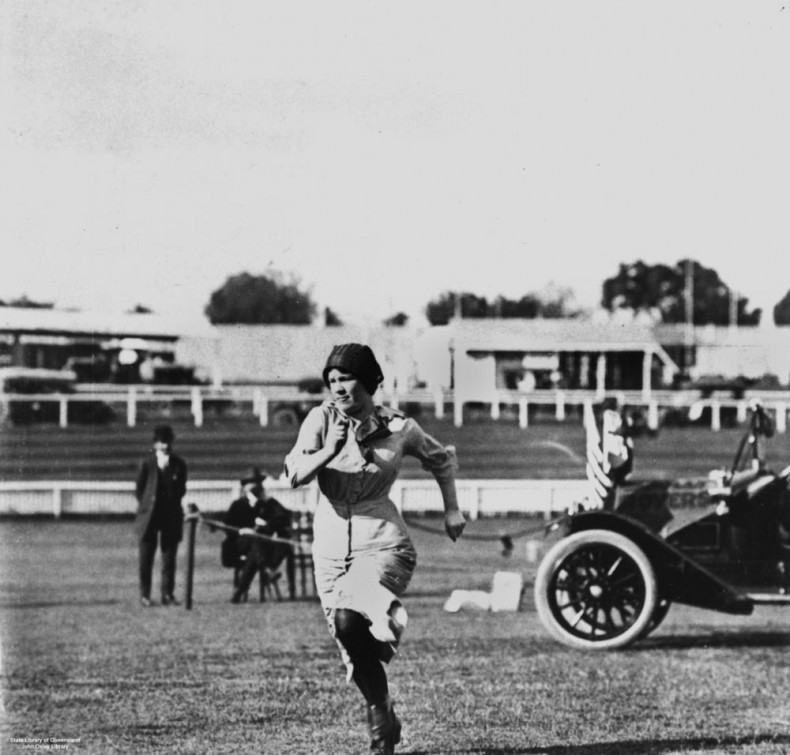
363 559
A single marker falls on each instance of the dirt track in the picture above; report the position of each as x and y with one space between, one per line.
486 450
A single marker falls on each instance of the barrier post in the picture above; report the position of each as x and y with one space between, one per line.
64 411
191 521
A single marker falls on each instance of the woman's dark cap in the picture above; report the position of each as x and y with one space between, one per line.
357 359
164 434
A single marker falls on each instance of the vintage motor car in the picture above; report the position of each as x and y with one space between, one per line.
721 543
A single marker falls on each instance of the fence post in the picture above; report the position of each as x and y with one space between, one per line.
64 411
57 501
588 411
191 520
438 400
263 411
652 415
458 410
474 504
781 416
523 412
197 407
256 402
560 409
131 408
715 416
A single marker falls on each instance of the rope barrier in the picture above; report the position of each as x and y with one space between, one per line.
491 538
213 524
298 561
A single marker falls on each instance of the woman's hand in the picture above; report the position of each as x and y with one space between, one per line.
454 524
336 434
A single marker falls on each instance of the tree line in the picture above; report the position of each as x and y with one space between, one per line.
669 293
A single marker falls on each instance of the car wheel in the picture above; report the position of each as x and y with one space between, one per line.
596 590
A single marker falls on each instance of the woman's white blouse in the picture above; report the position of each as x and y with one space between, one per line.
365 472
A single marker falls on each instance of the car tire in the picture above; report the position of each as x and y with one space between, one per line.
596 590
659 614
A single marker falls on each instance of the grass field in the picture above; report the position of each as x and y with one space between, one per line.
81 659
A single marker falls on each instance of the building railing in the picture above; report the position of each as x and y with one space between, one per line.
261 399
477 498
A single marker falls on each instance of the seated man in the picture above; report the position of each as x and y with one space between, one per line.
253 513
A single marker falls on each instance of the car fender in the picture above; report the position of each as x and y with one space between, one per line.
680 578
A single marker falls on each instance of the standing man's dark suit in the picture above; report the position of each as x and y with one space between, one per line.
161 484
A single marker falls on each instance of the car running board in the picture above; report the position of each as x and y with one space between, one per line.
768 598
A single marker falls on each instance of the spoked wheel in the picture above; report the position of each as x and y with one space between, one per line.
596 590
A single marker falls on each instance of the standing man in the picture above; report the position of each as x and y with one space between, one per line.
255 512
161 484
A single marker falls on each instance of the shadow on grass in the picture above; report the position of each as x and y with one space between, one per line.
735 639
633 747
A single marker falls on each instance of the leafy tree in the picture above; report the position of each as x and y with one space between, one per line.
331 318
397 320
260 299
782 311
662 289
552 303
528 306
440 311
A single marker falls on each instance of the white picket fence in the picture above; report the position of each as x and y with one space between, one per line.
261 399
477 498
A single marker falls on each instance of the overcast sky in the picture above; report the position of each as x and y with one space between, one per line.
386 152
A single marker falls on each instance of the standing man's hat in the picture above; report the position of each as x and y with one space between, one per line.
164 434
253 474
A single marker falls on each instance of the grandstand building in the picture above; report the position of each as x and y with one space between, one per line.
97 347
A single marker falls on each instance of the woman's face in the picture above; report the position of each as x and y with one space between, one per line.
347 391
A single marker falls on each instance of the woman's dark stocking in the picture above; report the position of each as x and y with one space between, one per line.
351 629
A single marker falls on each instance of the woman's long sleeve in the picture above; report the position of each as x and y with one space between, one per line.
437 459
299 467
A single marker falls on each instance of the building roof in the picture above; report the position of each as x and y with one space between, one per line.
537 335
73 322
